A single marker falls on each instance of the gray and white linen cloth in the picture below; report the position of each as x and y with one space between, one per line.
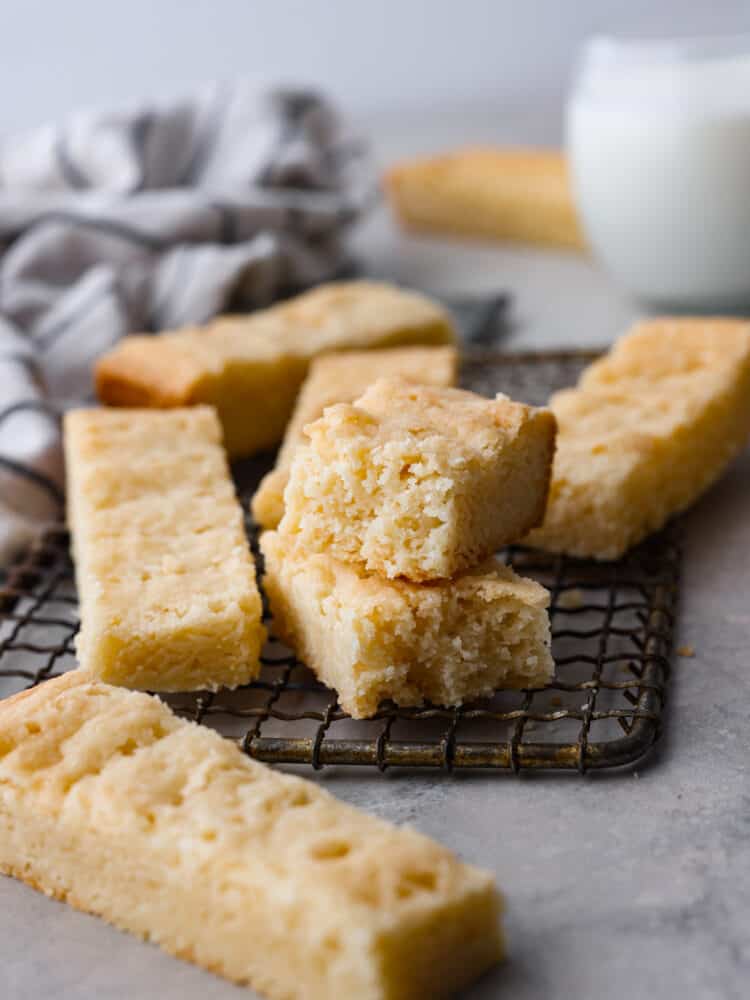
149 219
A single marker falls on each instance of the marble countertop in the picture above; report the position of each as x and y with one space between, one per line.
619 885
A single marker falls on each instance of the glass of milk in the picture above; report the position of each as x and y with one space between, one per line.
658 137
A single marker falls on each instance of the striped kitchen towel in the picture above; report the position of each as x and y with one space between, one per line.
149 219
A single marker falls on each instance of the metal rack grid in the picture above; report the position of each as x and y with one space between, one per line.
612 628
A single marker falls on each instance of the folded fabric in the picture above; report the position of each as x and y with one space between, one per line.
148 219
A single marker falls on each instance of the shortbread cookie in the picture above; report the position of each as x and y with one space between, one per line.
341 378
418 481
505 194
648 429
372 639
165 829
251 367
166 580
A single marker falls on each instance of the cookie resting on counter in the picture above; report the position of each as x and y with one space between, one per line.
516 194
110 802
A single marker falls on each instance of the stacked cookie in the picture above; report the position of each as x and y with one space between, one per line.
381 573
342 378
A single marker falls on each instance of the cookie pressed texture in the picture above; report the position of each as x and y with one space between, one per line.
505 194
166 580
341 378
419 481
372 639
647 430
167 830
251 367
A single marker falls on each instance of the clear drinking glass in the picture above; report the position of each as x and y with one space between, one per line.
658 139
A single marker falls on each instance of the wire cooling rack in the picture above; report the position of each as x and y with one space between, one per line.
611 623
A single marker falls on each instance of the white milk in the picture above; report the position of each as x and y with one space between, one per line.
658 137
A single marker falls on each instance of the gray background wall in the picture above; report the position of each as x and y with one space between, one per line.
377 54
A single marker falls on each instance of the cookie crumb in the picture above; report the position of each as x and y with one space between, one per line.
569 600
686 651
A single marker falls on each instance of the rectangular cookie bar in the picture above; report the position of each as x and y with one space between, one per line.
650 427
371 639
251 367
166 580
419 481
341 378
504 194
167 830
